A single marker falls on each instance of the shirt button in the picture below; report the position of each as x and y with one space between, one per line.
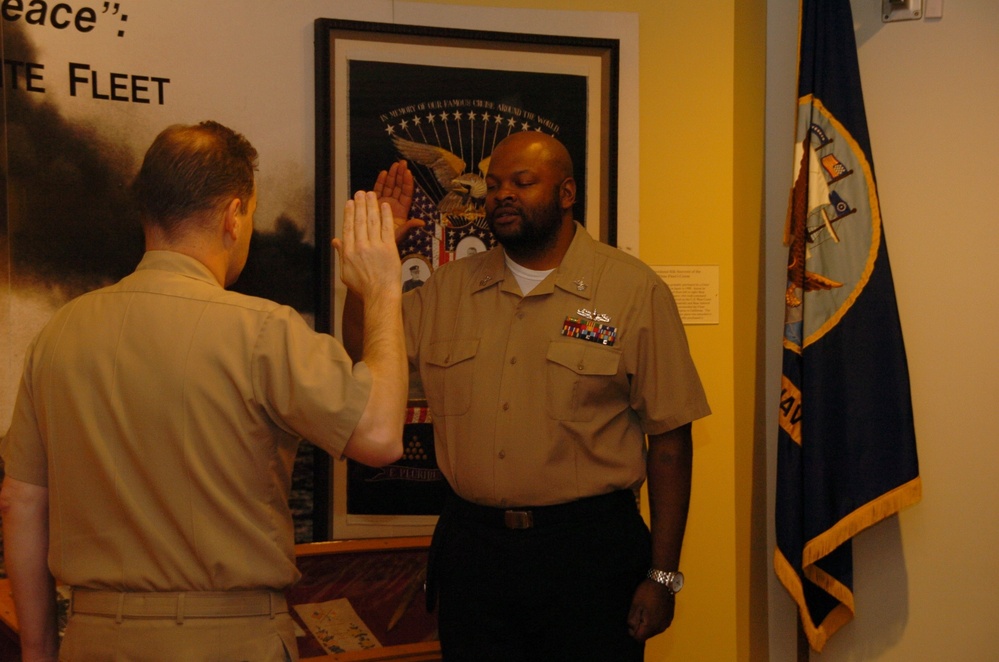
513 360
506 406
520 316
502 455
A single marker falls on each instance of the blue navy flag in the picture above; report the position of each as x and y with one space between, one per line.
846 445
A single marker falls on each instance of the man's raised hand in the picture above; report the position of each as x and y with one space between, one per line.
394 187
369 258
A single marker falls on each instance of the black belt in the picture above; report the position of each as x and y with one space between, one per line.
530 517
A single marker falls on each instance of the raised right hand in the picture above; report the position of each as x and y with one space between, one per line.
369 258
395 188
370 267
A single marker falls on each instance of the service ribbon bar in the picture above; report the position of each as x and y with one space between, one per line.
575 327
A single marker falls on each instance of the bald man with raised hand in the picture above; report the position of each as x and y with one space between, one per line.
559 379
149 459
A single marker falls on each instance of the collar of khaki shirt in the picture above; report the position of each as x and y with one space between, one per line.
574 274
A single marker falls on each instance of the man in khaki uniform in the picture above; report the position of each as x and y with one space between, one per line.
149 459
546 364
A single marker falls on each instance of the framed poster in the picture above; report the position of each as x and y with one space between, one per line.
442 99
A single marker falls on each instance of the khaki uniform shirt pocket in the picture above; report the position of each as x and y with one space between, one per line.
448 375
581 379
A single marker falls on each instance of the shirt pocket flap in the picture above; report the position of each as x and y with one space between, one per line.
583 359
451 352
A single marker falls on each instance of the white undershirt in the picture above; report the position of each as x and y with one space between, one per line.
528 279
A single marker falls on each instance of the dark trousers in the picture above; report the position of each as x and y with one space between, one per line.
560 590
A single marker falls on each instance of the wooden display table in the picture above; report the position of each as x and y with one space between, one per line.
382 579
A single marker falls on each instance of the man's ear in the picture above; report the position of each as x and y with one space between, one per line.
567 193
230 221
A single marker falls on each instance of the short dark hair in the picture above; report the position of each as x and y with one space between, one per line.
190 170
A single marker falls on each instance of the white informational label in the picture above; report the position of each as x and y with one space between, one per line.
695 289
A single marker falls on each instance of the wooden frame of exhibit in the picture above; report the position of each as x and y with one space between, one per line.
386 92
381 579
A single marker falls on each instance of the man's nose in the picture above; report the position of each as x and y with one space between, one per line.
504 193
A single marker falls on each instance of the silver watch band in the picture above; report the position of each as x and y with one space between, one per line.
672 580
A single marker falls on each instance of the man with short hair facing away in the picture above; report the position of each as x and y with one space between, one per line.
150 454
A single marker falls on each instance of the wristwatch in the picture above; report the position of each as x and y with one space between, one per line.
673 581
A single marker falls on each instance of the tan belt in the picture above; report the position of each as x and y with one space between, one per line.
193 604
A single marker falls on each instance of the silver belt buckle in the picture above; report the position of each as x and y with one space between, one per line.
518 519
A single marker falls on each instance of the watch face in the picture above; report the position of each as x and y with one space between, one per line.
677 582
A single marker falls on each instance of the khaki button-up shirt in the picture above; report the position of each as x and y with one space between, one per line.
547 398
163 413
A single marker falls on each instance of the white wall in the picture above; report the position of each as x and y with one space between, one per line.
925 582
